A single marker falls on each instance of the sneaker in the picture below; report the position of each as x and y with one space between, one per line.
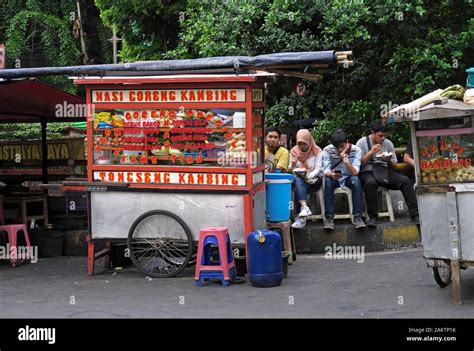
299 223
329 223
305 211
372 222
416 219
358 222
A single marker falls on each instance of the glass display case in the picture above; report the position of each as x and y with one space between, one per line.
185 136
445 150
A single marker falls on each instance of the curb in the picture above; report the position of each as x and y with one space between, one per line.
313 239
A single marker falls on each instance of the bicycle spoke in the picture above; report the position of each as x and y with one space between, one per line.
160 244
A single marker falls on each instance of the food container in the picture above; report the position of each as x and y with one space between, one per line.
239 120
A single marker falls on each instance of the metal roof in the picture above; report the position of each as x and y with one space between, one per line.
32 101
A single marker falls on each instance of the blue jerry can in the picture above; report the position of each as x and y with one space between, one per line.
265 268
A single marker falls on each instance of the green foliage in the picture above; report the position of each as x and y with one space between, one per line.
25 131
402 50
354 116
291 107
39 35
148 28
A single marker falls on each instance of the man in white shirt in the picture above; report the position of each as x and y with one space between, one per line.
378 168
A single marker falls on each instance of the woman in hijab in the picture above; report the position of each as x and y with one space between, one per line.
306 158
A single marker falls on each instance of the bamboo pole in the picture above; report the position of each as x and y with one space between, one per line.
348 53
345 63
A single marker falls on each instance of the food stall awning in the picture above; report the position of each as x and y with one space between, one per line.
32 101
437 109
452 108
296 64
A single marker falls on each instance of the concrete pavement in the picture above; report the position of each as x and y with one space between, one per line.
390 284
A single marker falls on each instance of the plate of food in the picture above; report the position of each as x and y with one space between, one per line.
300 171
384 154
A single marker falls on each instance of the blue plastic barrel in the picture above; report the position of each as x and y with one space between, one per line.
265 268
278 192
470 78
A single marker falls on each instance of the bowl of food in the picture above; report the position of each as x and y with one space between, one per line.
301 172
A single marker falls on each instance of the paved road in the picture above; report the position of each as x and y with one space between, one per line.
394 284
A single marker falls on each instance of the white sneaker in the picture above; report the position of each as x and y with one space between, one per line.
305 211
299 223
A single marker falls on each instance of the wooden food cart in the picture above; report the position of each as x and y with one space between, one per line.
169 155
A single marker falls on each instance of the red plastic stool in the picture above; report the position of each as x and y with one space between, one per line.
12 231
205 267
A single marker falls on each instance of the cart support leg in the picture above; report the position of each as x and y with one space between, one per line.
90 256
456 280
108 247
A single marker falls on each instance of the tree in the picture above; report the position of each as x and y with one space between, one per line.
148 28
402 50
40 33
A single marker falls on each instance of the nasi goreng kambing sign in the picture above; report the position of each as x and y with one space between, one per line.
173 95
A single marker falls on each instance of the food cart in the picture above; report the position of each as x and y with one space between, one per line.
169 155
175 146
442 134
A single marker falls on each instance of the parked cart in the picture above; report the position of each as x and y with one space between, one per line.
169 155
443 144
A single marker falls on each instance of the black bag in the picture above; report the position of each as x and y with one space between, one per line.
381 172
317 181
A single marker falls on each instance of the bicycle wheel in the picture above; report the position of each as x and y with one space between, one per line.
160 244
442 276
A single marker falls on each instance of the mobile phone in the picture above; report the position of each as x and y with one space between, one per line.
337 171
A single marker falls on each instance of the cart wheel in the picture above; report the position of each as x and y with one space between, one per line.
193 259
160 244
442 275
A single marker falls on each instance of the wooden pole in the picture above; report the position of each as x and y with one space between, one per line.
348 53
44 150
85 58
114 42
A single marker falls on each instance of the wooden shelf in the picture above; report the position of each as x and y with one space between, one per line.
112 148
164 158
